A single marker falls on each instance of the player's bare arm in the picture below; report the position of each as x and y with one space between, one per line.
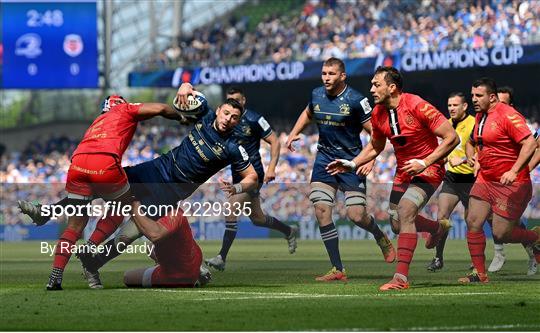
528 146
535 160
248 182
150 110
304 120
366 168
275 147
368 154
152 230
449 141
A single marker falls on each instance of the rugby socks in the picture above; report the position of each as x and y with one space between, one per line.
102 258
231 228
63 248
440 247
476 240
406 245
373 228
330 238
275 224
426 225
524 236
104 228
62 254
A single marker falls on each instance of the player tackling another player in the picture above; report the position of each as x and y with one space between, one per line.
96 171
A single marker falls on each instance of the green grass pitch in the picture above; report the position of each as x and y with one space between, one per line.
265 288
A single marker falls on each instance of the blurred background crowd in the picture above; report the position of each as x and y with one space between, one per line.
39 172
356 29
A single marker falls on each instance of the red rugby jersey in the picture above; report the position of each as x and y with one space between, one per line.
111 132
497 134
409 127
178 254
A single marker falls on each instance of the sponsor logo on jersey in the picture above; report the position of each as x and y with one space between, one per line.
345 109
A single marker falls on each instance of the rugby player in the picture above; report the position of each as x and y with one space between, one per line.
506 95
503 186
341 113
178 257
413 127
249 132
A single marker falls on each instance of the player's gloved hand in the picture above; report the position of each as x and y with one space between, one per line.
365 169
414 166
508 177
291 140
340 166
183 92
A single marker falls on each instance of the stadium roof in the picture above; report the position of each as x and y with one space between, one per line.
140 29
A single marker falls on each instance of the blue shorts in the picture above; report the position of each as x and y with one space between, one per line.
148 186
349 181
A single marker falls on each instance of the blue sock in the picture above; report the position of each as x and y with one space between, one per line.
228 238
273 223
331 242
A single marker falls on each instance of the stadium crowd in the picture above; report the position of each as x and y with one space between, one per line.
357 29
39 172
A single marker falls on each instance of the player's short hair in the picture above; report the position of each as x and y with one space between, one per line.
507 90
335 61
391 75
235 104
458 94
235 90
488 83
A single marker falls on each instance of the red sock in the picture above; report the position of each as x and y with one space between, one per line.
477 246
104 228
524 236
406 244
63 248
426 225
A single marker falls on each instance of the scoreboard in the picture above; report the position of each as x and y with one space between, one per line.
49 45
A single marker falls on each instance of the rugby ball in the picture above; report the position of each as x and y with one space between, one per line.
197 105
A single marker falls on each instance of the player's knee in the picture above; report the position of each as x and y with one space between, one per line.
501 235
406 213
394 222
322 211
357 214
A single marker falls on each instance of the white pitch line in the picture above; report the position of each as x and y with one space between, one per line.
216 295
469 327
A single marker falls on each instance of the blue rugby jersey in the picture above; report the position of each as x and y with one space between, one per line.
202 154
339 119
248 133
